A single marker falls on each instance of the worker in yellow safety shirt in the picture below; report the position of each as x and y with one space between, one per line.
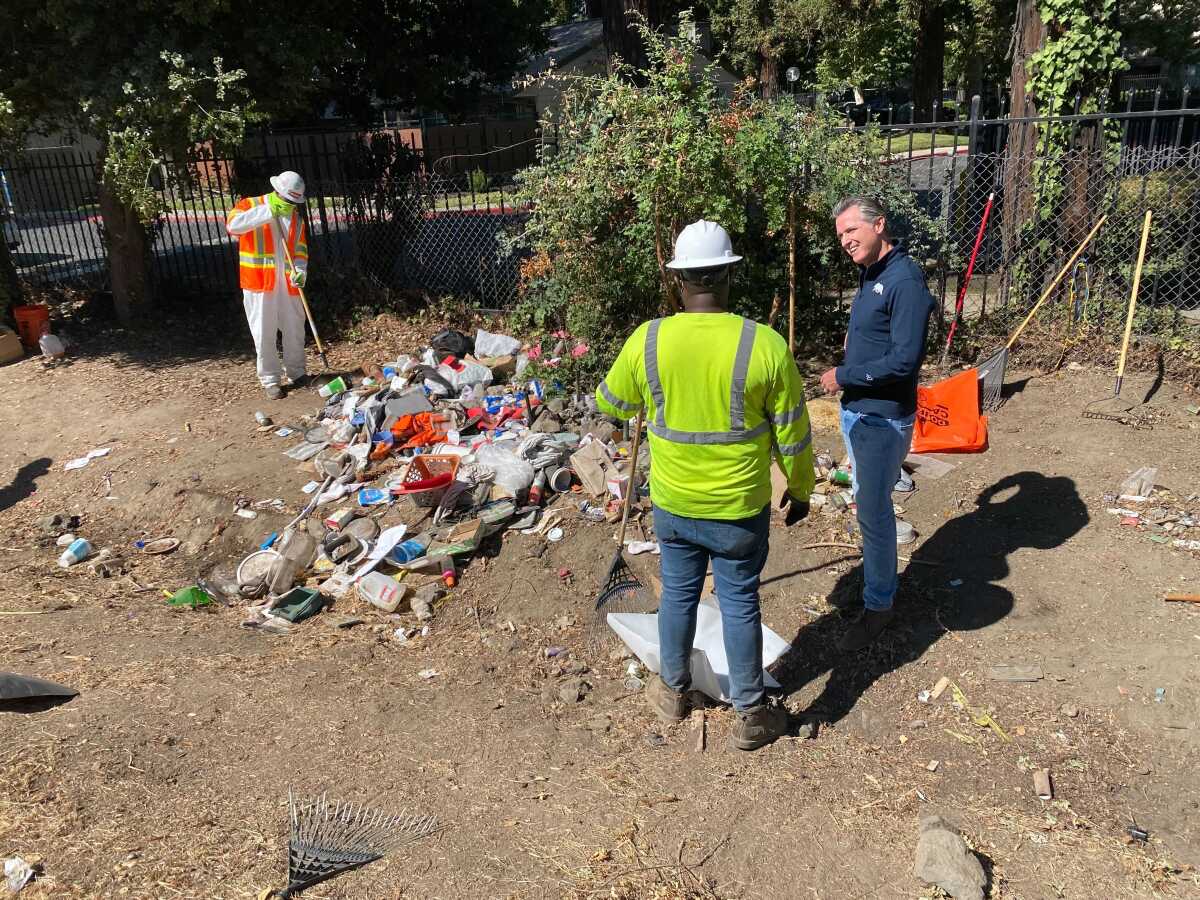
270 286
723 398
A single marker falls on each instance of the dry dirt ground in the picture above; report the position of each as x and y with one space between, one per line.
167 776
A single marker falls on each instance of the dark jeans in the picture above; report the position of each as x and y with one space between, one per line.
738 550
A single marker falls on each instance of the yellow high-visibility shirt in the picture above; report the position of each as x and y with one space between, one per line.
722 396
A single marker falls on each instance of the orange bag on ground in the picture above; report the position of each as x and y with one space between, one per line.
948 416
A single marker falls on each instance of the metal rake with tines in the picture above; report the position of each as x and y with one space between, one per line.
623 591
330 837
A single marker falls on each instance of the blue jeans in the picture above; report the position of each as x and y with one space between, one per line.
877 446
738 550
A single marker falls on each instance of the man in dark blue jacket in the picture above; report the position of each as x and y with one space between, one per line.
885 345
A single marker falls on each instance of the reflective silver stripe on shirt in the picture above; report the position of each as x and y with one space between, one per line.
792 415
797 448
617 402
651 361
741 366
709 437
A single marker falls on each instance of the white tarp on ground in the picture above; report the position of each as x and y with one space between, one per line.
710 668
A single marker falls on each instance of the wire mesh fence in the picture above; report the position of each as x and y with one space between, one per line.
384 218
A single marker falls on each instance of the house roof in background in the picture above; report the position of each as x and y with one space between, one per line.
567 42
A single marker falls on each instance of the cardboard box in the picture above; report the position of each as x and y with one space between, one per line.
10 346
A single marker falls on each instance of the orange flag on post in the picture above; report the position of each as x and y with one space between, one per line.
948 418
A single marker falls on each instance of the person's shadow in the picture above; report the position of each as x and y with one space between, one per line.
24 483
1040 512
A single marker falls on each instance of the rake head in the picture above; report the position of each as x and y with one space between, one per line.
1114 409
991 380
331 837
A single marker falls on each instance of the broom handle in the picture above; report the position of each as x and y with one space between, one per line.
292 268
1057 278
966 283
637 443
1137 283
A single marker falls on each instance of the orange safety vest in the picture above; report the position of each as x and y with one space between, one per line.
256 250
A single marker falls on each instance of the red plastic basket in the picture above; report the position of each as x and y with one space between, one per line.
425 479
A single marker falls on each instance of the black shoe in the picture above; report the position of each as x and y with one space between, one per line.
299 383
274 392
863 632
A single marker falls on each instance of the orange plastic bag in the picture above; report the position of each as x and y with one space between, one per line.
948 418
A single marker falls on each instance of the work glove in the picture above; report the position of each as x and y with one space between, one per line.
793 510
299 276
279 206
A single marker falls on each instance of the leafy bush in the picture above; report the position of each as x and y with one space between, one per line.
635 164
479 181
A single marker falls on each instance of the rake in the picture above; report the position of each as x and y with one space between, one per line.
966 283
991 370
623 591
330 837
1114 409
304 300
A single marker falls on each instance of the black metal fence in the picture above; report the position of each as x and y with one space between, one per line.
398 217
379 212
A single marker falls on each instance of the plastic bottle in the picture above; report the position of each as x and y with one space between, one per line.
538 488
381 591
79 550
52 346
409 550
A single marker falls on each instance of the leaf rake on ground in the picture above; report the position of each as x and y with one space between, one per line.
330 837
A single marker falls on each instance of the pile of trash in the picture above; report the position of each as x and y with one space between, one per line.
833 496
1166 519
415 463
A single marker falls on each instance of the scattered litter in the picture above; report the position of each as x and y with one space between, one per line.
1137 833
192 597
17 874
928 466
932 765
310 487
554 535
428 674
924 696
940 687
1160 695
956 582
1042 785
82 461
980 717
637 548
285 432
160 546
77 552
246 513
65 540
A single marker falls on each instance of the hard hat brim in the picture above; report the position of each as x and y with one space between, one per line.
711 262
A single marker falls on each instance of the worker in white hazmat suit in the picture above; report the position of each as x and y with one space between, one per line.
270 287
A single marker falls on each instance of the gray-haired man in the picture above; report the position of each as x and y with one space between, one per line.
885 344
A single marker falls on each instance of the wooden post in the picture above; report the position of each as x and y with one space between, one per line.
792 273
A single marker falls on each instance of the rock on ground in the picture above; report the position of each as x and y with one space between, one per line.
944 859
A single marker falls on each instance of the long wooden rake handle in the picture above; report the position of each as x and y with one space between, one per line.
637 443
304 300
1057 278
1133 295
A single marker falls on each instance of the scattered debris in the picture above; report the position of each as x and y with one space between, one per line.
1042 785
1015 672
17 874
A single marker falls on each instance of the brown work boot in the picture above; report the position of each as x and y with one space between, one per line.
668 705
758 726
865 629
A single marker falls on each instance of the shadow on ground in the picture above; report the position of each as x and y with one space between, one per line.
24 483
1026 509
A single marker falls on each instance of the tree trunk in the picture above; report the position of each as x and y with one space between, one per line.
128 256
929 59
620 37
1021 144
594 9
768 75
10 285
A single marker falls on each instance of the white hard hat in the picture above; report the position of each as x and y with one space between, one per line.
289 186
703 245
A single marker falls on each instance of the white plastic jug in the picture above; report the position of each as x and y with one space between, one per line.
381 591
